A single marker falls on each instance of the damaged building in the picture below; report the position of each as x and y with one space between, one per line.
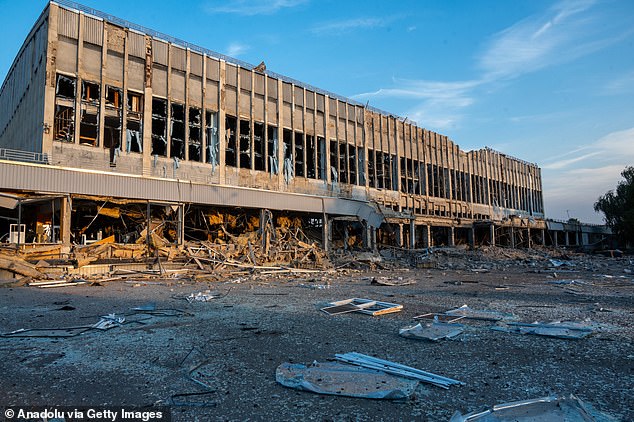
108 128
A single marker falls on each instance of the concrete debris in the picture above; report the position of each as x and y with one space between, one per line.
344 380
434 331
563 330
109 321
398 369
552 408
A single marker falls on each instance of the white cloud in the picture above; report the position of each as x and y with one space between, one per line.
565 31
251 7
348 25
621 85
235 49
574 187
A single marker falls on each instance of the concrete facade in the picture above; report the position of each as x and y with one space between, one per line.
106 95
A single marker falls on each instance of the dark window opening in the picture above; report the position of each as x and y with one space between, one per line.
380 170
90 92
371 176
343 164
195 144
231 124
403 175
310 157
394 172
410 176
352 164
64 127
272 164
89 128
299 154
65 87
112 136
321 158
113 97
159 126
245 144
213 145
361 165
288 144
177 133
334 161
259 146
134 137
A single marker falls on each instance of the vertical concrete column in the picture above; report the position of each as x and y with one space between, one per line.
452 239
471 237
529 241
577 239
65 214
543 237
222 127
492 234
426 236
51 75
80 76
555 239
399 234
280 135
566 238
412 234
147 109
181 223
326 233
367 236
512 236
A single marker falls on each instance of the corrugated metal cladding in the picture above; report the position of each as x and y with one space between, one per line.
178 58
93 30
136 44
19 176
159 52
68 23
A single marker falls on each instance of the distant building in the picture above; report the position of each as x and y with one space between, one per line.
103 121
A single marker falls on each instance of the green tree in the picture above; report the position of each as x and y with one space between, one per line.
618 207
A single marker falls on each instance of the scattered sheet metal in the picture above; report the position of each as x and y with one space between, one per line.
109 321
434 331
484 315
552 408
394 368
201 297
563 330
57 283
559 263
364 306
344 380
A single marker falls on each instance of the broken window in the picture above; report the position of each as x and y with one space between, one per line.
352 164
334 161
245 144
231 126
403 175
159 126
134 123
394 172
113 97
177 132
64 129
273 165
213 145
259 146
65 87
321 158
310 157
410 176
343 163
195 138
361 165
380 170
64 122
112 123
90 92
89 122
299 154
371 176
89 125
288 169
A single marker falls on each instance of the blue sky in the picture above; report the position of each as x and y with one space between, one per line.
550 82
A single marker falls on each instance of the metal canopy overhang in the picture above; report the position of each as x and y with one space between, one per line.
29 177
